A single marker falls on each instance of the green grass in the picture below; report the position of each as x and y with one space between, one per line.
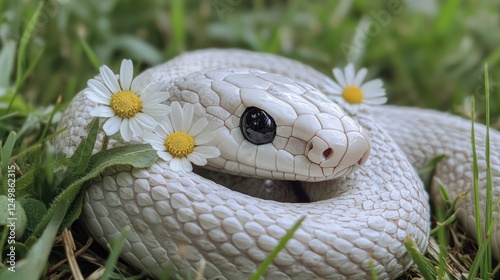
428 57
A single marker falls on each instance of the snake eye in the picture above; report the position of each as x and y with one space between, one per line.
257 126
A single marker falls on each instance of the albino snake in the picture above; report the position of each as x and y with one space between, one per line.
357 212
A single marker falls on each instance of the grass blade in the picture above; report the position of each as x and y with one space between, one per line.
94 60
475 180
178 27
489 183
115 250
25 38
425 267
7 55
263 267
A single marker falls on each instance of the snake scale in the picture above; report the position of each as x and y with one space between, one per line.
357 171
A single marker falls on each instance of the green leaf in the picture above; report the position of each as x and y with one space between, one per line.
35 263
81 156
7 149
141 50
35 210
32 65
7 55
427 171
446 15
139 156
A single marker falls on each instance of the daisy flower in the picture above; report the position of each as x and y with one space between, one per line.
129 107
350 86
181 142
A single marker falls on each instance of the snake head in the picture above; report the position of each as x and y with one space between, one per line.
270 126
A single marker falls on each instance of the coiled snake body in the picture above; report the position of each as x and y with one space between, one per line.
360 208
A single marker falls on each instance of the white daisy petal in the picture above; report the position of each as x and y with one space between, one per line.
185 165
102 111
125 130
340 77
371 85
152 90
176 116
155 98
135 126
99 88
360 76
126 73
109 79
207 151
376 101
372 94
112 125
158 111
198 127
97 98
165 128
155 140
197 159
204 138
145 121
335 88
187 116
165 156
175 164
158 97
138 84
157 146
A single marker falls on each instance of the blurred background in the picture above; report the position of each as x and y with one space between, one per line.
429 53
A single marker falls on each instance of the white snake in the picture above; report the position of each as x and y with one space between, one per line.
360 216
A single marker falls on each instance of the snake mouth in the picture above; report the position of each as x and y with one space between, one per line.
364 158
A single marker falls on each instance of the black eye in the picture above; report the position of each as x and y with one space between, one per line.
257 126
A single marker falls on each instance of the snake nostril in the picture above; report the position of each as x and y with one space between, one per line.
327 153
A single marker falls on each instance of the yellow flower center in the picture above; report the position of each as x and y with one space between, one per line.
179 144
125 104
353 95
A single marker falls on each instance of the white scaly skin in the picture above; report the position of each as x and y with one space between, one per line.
183 220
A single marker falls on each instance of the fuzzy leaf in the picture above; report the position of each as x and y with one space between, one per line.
81 157
139 156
